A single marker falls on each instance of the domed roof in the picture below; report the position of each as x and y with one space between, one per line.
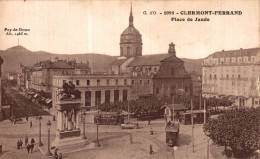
131 30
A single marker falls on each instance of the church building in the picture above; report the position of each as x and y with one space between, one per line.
132 75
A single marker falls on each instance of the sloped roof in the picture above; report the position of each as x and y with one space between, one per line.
236 53
59 65
118 61
81 66
148 60
172 59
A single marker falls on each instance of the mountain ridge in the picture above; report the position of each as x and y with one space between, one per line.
97 62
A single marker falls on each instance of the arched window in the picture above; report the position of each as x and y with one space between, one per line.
128 51
136 51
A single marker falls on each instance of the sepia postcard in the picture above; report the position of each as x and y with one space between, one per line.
143 79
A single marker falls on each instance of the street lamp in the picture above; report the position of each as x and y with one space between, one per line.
40 126
97 144
49 130
84 116
207 136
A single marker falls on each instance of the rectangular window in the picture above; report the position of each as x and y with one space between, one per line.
172 71
88 82
116 82
97 98
253 59
98 82
77 82
125 82
133 81
107 96
222 60
116 95
124 95
141 81
227 60
87 98
148 81
233 60
215 61
107 81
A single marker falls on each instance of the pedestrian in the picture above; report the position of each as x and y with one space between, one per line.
26 140
31 124
131 139
53 118
27 118
56 154
60 156
21 144
149 122
151 131
28 147
32 144
151 150
18 144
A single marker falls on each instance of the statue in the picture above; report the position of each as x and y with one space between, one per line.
69 91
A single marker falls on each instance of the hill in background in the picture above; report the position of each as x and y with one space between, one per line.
98 62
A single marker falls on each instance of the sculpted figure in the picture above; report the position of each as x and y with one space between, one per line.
69 91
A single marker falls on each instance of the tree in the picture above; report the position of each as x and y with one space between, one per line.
238 129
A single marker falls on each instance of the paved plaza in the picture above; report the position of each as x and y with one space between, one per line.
114 140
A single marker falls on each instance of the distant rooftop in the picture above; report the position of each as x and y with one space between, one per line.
236 53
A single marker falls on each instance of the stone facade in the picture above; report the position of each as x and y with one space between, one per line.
235 74
42 73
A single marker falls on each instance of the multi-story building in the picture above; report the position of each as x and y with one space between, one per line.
24 76
196 81
43 72
131 75
235 74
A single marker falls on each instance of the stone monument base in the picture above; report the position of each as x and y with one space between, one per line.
72 144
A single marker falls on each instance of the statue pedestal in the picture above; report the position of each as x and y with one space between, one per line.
68 137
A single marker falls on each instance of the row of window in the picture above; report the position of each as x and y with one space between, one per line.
98 83
230 60
227 76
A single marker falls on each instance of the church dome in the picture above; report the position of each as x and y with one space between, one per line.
131 40
131 30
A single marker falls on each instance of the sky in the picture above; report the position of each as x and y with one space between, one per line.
79 26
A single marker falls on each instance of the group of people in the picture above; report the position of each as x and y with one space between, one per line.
29 145
56 156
